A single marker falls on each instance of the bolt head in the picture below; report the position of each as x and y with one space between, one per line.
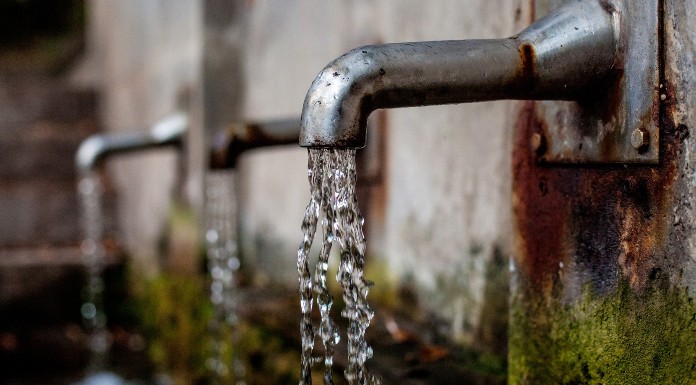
640 139
537 143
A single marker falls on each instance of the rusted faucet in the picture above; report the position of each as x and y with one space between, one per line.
563 56
169 131
229 143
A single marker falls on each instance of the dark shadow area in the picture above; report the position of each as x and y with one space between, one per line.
24 22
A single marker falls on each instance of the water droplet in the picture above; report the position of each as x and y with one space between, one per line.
221 242
88 310
211 236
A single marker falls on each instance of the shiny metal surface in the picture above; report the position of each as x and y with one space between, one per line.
599 127
576 53
558 57
168 131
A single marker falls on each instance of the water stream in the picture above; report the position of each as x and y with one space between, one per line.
90 192
223 263
332 178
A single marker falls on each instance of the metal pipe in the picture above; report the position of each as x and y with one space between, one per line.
229 143
168 131
560 57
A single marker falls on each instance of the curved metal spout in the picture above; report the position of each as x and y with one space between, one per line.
169 131
560 57
229 143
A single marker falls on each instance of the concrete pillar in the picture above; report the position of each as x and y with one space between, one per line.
604 267
148 54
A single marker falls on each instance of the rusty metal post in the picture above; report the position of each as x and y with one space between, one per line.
604 269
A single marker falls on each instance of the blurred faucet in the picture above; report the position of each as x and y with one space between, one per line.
229 143
169 131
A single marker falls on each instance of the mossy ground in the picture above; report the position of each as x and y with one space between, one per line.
176 316
176 319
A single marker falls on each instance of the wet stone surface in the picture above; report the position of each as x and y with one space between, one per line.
406 351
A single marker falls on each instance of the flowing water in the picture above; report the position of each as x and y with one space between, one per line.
93 317
332 178
223 263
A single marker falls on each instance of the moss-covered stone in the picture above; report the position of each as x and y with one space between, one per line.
622 338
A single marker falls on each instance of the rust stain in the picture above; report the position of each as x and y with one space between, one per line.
528 57
611 220
539 207
239 138
527 71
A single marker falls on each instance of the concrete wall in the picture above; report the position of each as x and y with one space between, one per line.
288 43
147 58
604 273
440 211
448 201
444 207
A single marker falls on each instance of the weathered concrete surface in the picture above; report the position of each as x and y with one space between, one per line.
148 57
447 172
440 209
436 219
604 271
288 43
603 262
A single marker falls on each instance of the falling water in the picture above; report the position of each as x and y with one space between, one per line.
223 262
332 178
93 317
309 227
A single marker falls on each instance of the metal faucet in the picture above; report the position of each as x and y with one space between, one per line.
169 131
231 142
563 56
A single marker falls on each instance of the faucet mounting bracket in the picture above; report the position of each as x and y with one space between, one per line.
620 125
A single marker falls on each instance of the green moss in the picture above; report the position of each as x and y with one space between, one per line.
622 338
175 317
385 292
181 242
269 357
493 323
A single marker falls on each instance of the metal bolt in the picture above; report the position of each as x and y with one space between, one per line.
537 143
640 139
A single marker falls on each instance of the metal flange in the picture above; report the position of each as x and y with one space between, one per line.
622 124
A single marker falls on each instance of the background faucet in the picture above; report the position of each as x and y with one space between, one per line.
229 143
169 131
